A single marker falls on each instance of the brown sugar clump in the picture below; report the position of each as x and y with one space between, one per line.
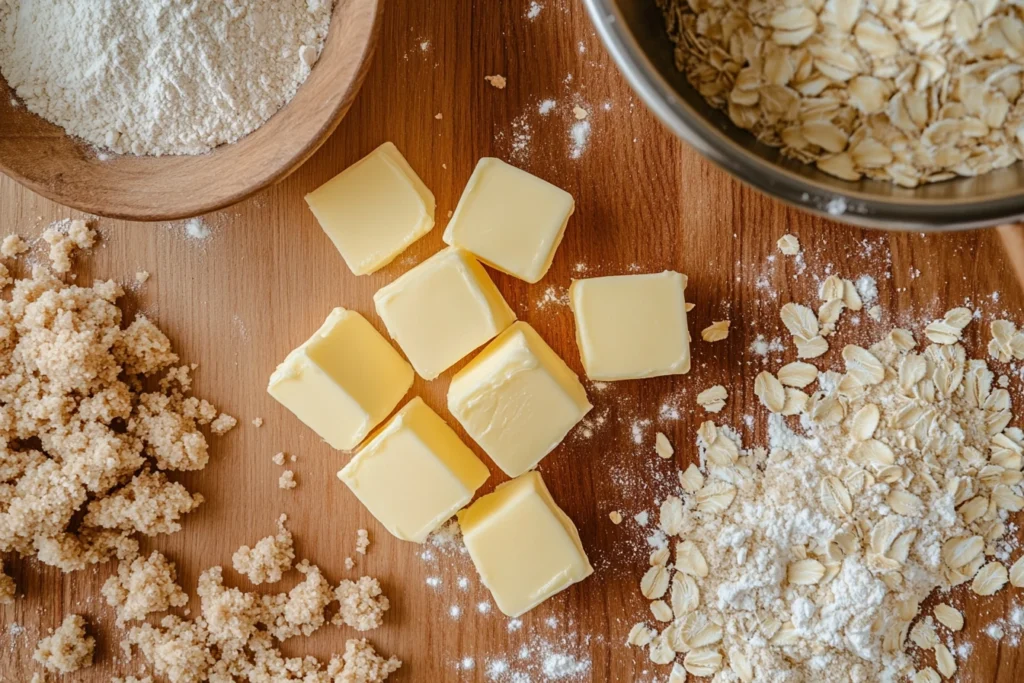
223 424
149 504
64 238
7 588
362 604
143 586
287 480
301 610
76 427
13 246
176 649
68 648
232 617
269 559
362 664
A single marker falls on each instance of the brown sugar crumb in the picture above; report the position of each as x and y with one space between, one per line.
223 424
13 246
5 277
362 541
141 277
231 616
362 604
349 563
64 238
77 428
496 81
362 664
269 559
257 422
143 586
7 587
68 648
301 610
278 458
287 480
150 504
176 649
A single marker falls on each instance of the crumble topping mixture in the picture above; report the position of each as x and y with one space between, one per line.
68 648
271 557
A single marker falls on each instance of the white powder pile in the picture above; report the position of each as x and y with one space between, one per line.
810 560
162 76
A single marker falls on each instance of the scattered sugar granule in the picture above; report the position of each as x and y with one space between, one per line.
363 604
143 586
13 246
615 516
141 277
994 631
434 581
64 238
278 458
579 112
867 289
362 664
637 430
483 607
197 229
362 541
68 648
463 583
545 107
579 136
534 10
267 561
455 611
514 625
257 422
7 588
789 245
556 666
350 563
223 424
496 81
287 480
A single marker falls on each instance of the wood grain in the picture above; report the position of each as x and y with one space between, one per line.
239 301
42 157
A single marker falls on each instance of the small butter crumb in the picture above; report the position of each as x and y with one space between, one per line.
497 81
278 458
579 112
142 276
615 516
287 480
257 422
438 116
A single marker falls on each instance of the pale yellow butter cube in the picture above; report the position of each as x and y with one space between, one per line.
517 399
631 326
343 381
524 547
441 310
374 209
414 473
511 220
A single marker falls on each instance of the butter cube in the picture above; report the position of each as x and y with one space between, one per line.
374 209
524 547
511 220
441 310
343 381
517 399
631 326
414 473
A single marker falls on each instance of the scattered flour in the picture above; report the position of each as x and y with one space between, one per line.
579 137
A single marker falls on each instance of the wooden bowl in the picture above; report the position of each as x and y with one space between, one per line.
45 159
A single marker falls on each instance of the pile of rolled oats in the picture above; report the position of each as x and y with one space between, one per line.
910 92
810 560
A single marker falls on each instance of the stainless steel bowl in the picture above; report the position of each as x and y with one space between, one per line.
634 33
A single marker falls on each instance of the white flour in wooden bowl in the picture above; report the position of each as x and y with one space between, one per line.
162 76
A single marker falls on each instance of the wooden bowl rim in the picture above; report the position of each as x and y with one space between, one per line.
340 102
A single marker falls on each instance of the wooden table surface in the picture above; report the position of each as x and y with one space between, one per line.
238 301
